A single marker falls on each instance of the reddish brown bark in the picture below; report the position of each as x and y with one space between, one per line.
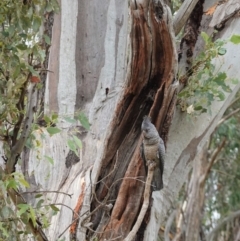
149 90
73 228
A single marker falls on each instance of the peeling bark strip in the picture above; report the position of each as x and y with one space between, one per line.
75 218
149 89
191 33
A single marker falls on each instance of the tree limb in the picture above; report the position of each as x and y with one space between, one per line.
20 107
18 147
219 226
169 225
183 14
147 192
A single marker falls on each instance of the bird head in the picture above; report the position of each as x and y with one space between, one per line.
148 129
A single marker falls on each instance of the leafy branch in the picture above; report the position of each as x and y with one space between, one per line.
203 82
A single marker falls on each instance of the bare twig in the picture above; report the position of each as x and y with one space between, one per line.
147 192
33 192
234 101
104 202
59 236
114 167
219 226
227 117
213 158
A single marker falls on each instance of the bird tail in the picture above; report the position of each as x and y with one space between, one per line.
157 183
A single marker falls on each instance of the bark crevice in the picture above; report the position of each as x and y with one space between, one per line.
150 90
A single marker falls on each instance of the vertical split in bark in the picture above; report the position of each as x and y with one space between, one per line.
191 32
149 91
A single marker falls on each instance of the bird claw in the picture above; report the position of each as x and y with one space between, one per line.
151 165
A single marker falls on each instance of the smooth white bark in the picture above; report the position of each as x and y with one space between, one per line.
187 137
67 71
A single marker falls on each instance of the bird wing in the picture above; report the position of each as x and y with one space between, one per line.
161 156
143 157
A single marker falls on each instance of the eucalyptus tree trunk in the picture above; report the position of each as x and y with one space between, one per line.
117 61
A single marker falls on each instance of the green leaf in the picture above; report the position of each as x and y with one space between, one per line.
30 12
221 96
77 141
49 7
11 30
38 195
47 119
23 35
205 37
16 71
54 208
5 33
47 39
4 231
70 120
39 203
22 46
22 208
84 121
235 39
53 130
222 51
235 81
33 216
49 159
197 108
33 71
24 182
72 145
11 183
55 6
226 88
5 212
54 117
36 23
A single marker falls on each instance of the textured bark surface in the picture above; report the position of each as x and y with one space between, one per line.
116 63
150 88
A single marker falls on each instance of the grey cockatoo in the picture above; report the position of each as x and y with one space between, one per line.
153 149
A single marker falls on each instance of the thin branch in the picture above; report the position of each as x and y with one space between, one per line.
20 107
61 204
70 195
114 168
168 225
18 147
147 192
46 70
234 101
213 158
227 117
59 236
183 14
105 200
219 226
